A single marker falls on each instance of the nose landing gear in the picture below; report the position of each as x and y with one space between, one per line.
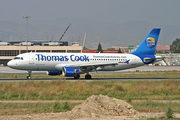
29 73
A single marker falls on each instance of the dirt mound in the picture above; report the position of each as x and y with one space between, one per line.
96 106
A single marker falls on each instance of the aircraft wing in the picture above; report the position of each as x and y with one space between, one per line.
91 66
88 66
98 64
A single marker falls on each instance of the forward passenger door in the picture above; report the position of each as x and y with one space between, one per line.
31 59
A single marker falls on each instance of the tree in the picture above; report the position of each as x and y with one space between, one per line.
169 113
99 49
119 51
161 52
85 48
175 46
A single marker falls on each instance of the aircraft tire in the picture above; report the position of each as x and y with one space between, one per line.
76 76
87 76
28 77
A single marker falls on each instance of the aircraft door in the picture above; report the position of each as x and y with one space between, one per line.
133 60
31 59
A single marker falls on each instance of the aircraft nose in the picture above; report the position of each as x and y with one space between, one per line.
10 63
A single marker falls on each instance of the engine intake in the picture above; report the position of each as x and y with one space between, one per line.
70 71
54 72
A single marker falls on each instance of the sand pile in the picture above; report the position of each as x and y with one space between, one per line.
96 106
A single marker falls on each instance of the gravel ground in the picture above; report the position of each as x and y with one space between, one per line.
93 108
60 116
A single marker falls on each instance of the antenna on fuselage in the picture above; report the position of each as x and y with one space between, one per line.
64 32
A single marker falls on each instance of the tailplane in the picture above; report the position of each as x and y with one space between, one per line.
148 45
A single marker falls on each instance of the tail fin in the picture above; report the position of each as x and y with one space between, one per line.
148 45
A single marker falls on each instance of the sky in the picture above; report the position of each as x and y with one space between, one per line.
111 11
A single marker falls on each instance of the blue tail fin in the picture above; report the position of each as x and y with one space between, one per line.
148 45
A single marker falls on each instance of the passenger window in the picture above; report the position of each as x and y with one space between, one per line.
21 58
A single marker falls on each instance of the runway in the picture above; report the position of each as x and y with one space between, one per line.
83 79
4 70
8 71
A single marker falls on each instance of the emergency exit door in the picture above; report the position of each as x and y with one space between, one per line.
31 59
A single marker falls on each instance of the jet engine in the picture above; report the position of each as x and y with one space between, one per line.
71 71
54 72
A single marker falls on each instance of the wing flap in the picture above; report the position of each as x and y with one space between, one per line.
87 66
93 64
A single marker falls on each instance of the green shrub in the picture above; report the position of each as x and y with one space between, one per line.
66 106
151 119
169 113
118 88
129 99
57 105
15 76
15 95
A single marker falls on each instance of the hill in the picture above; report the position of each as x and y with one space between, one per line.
111 34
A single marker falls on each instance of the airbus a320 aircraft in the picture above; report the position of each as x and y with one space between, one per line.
74 64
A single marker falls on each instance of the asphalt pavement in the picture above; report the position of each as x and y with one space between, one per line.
5 70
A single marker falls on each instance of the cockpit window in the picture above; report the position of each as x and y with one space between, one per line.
18 58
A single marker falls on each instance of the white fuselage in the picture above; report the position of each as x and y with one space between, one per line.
56 61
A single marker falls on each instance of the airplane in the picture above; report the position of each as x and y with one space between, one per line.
74 64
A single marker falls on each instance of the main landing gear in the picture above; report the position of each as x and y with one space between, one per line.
87 76
29 77
76 76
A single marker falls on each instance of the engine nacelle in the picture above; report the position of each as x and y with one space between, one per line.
54 72
70 71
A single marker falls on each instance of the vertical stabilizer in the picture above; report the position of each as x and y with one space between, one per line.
148 45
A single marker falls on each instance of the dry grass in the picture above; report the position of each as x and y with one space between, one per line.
82 89
32 108
155 106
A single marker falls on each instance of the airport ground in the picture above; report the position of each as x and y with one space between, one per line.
4 70
142 95
8 74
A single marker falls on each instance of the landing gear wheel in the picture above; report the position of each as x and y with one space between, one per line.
87 76
28 77
76 76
